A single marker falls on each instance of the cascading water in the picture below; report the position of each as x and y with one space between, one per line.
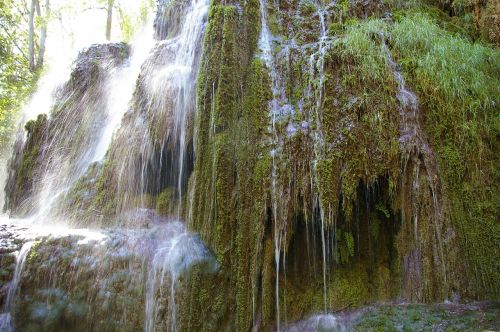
6 316
172 258
265 41
111 96
68 35
317 64
150 150
281 111
314 181
179 76
67 160
120 90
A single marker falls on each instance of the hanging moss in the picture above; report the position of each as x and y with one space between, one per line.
363 218
458 83
226 123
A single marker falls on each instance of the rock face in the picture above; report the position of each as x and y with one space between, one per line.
324 176
169 18
329 154
23 166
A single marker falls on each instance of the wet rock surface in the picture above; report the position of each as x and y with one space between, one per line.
11 242
95 280
96 58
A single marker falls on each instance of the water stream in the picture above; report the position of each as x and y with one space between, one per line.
173 256
6 317
265 44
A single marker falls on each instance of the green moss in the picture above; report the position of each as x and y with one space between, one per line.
24 173
252 174
419 317
350 160
459 87
224 219
165 201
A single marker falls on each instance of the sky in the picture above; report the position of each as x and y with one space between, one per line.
76 24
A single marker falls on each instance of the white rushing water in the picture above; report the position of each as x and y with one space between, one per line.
121 88
182 72
265 46
62 172
68 35
6 321
166 250
178 75
152 146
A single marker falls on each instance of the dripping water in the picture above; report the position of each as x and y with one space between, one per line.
265 46
414 143
61 172
317 68
157 126
175 254
180 76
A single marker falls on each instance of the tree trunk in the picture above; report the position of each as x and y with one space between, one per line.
43 35
109 20
31 35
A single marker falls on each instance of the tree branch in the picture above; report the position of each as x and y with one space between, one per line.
91 8
13 40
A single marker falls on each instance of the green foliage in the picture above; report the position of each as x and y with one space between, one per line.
462 70
131 22
459 85
359 42
16 80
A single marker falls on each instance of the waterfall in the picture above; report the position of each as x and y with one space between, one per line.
186 59
82 117
121 88
321 68
6 321
66 157
117 94
281 110
316 69
113 97
151 148
131 112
